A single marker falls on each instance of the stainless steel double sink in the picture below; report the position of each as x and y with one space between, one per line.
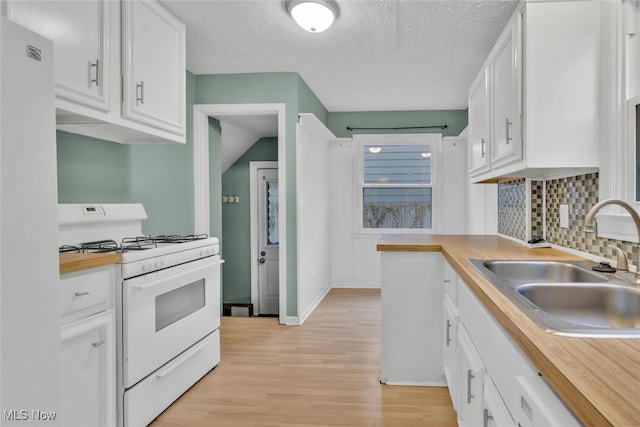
567 298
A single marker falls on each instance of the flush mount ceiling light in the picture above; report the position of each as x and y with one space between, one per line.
425 154
314 16
375 150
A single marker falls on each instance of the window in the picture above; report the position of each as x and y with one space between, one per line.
396 181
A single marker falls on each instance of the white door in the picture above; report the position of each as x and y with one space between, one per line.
268 241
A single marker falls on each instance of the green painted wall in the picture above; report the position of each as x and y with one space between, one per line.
265 88
91 170
236 231
456 120
308 102
162 179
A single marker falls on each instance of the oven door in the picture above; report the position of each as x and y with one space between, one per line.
165 312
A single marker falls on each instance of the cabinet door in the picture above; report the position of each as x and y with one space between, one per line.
153 65
88 372
479 138
495 413
470 380
505 65
80 33
450 321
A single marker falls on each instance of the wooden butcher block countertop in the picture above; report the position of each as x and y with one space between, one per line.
71 262
599 379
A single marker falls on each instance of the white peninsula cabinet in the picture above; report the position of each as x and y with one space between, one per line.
88 348
120 69
412 295
542 94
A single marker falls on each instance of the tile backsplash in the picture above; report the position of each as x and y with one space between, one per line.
578 192
512 204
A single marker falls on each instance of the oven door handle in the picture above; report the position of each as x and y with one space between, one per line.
182 360
146 286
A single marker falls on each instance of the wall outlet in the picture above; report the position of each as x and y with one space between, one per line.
564 216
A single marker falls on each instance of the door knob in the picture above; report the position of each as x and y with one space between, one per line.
261 260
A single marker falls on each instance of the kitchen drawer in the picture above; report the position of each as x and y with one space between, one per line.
87 292
147 399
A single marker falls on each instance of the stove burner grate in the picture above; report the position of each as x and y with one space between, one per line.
100 246
129 243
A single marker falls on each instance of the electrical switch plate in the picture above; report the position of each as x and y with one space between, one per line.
564 216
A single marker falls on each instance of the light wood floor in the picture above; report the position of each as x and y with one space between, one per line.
325 372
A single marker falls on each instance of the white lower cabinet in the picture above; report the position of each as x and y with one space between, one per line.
88 365
491 382
471 371
495 412
88 376
450 346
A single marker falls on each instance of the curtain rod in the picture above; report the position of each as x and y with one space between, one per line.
401 127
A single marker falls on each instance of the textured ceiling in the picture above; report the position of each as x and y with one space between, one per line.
378 56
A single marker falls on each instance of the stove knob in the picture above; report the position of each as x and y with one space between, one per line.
159 264
147 266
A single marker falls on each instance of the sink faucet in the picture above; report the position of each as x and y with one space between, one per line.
588 228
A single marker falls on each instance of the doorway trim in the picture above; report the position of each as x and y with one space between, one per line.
253 194
201 114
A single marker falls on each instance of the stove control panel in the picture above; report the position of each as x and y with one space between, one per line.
92 210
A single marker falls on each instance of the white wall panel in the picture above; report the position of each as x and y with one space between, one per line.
314 213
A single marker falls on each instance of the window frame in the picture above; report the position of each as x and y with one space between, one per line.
435 142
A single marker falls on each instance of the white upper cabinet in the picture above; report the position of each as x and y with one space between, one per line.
542 93
504 63
80 32
479 124
120 67
153 63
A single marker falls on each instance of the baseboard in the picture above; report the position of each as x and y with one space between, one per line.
290 320
417 384
313 305
356 285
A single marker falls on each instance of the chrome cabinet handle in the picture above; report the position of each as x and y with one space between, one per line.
484 143
487 417
99 343
95 65
448 332
140 92
507 124
82 293
447 281
470 377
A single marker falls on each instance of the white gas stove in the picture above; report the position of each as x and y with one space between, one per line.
167 303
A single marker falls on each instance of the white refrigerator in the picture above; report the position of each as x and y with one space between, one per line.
29 319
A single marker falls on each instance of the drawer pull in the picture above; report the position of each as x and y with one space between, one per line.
470 377
448 332
99 343
487 418
185 357
82 293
